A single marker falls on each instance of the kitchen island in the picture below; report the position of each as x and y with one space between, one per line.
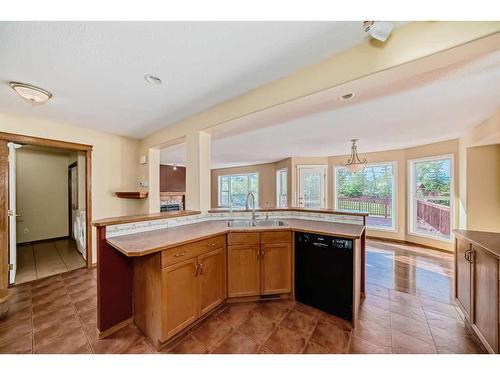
168 279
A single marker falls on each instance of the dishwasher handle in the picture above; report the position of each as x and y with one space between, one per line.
319 244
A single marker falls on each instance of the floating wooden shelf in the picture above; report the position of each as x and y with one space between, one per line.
132 194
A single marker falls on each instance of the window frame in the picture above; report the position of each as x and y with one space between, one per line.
278 187
248 175
394 205
411 209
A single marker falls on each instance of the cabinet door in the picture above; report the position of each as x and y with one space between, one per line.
179 292
276 271
211 280
462 277
485 297
243 270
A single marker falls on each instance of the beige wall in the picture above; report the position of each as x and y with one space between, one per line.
484 134
114 162
267 182
483 188
42 194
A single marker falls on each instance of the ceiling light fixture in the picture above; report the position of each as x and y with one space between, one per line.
379 30
33 94
354 163
154 80
347 96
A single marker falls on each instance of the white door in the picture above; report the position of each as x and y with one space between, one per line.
312 186
12 212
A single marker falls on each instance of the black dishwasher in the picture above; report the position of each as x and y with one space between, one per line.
324 273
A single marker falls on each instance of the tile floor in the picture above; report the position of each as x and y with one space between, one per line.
43 259
408 309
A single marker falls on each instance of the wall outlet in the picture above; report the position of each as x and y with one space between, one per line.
26 230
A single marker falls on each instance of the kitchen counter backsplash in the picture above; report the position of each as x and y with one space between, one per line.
146 226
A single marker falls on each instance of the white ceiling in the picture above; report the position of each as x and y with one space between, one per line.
96 69
436 110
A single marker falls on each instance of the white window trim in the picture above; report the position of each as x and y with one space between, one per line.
278 172
394 206
325 168
236 174
411 209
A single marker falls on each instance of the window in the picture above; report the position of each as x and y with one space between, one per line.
233 189
430 193
281 188
371 189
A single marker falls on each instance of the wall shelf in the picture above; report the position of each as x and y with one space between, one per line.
132 194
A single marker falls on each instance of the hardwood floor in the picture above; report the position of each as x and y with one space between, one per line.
408 309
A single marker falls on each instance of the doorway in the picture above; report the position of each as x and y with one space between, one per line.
46 186
312 186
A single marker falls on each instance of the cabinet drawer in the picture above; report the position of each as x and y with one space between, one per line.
176 254
243 238
276 237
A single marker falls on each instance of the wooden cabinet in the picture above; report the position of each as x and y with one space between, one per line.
485 297
463 276
179 296
211 280
477 284
174 288
276 268
243 270
259 266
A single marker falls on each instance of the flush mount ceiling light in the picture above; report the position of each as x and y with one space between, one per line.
33 94
154 80
347 96
379 30
354 163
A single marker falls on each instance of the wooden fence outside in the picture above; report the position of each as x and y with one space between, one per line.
435 215
372 205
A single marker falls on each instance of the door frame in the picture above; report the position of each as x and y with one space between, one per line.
70 198
4 190
325 181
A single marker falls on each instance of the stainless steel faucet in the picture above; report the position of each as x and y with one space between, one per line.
250 194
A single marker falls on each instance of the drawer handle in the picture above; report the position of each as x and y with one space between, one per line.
181 254
211 244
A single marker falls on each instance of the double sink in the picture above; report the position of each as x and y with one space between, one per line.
255 223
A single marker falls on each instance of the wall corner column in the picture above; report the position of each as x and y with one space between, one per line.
199 156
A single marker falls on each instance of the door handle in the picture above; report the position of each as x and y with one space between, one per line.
262 254
201 269
258 254
196 269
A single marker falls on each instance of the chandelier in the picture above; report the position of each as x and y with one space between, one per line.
354 163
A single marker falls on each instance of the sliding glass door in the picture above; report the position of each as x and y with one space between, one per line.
431 197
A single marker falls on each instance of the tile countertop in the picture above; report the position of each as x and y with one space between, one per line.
140 244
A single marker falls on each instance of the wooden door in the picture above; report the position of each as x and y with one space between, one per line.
276 268
211 280
485 296
180 295
463 277
243 270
